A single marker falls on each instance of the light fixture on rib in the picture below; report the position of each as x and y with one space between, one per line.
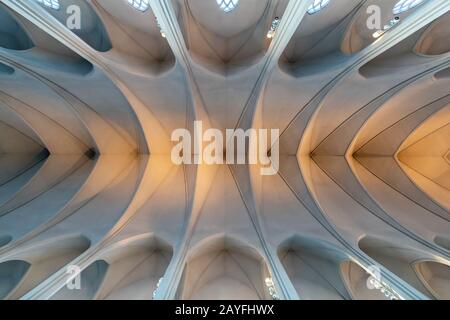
273 28
386 28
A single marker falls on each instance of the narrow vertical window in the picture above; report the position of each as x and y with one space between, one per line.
405 5
227 5
54 4
140 5
317 5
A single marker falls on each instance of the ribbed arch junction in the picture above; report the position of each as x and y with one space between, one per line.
224 268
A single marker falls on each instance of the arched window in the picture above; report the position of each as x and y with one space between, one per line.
140 5
317 5
54 4
405 5
227 5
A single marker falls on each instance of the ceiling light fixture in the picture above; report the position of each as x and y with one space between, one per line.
386 28
163 34
271 287
273 28
54 4
385 289
157 287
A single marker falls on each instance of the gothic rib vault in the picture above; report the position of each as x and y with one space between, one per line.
86 177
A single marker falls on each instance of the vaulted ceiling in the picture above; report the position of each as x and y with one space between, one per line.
86 178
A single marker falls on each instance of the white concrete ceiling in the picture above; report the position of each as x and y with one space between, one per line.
86 177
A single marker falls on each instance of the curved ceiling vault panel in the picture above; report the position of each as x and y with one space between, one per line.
130 272
27 270
443 74
424 157
316 43
443 241
137 46
5 70
96 103
19 176
358 36
12 35
4 240
436 277
314 269
226 42
224 269
434 40
58 64
35 49
428 156
387 146
410 265
11 273
90 28
399 59
22 154
16 137
92 277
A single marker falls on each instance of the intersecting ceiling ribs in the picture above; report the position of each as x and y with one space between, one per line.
86 178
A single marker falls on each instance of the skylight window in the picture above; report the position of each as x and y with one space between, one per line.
140 5
317 5
54 4
227 5
405 5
